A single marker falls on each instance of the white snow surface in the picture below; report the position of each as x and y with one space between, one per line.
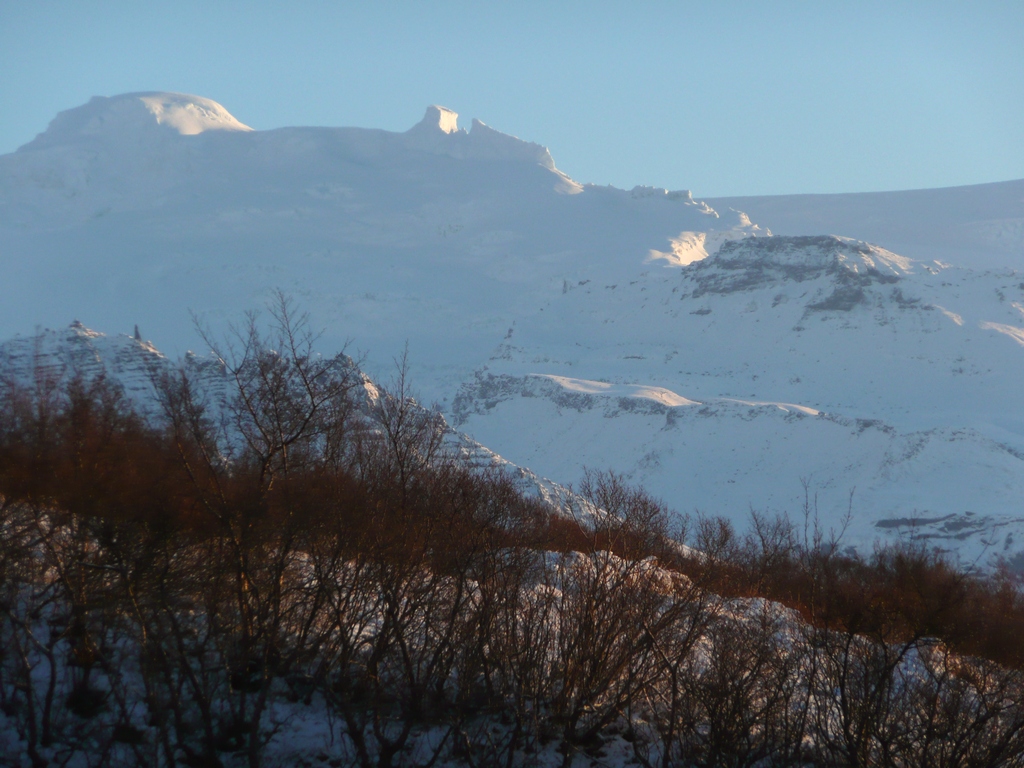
817 369
438 235
728 353
132 115
136 367
56 356
980 226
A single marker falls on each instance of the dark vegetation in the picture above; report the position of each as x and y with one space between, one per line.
286 538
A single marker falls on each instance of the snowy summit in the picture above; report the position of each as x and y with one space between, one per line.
129 114
682 342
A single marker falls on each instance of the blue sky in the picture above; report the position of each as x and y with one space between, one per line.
723 98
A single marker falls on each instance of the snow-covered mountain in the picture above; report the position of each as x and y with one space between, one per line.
880 385
53 357
563 324
438 236
979 226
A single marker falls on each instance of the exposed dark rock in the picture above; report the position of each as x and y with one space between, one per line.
754 263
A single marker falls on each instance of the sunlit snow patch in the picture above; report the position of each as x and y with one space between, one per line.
659 394
787 407
1015 333
951 315
587 387
689 247
121 117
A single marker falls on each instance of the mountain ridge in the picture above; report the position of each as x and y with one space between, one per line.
691 345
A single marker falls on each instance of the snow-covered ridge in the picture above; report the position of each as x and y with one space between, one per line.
439 133
807 359
130 117
689 247
657 394
747 263
980 226
956 488
583 394
135 114
146 151
640 330
489 390
54 357
847 270
799 255
437 236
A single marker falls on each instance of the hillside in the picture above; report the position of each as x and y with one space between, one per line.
562 324
288 566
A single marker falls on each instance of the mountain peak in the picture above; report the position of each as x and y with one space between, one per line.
438 118
115 117
439 133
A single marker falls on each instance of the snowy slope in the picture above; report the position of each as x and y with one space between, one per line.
563 324
52 358
432 235
777 367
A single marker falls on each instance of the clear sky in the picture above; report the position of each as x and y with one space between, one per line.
723 98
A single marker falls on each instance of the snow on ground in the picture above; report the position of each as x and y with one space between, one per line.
657 394
473 249
437 236
132 115
55 356
879 394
